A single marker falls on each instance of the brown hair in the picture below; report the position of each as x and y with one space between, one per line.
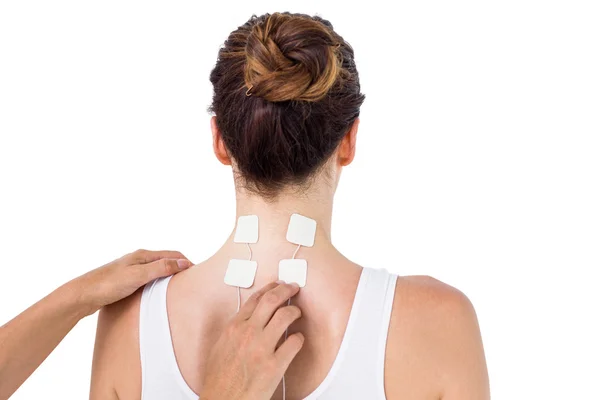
286 91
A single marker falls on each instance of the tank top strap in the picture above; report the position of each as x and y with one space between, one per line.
161 378
364 359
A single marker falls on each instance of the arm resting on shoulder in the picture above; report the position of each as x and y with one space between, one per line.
28 339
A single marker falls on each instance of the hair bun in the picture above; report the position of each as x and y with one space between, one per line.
291 58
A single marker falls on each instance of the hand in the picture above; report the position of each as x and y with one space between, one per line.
246 363
120 278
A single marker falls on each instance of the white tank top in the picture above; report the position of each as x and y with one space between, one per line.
356 373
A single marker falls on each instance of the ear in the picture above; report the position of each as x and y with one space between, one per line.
347 147
218 144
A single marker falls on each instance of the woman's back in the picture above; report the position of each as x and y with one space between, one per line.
327 368
367 332
196 328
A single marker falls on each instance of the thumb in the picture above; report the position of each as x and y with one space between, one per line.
165 267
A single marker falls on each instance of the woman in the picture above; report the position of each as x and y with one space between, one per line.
286 103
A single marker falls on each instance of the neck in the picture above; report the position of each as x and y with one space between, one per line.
274 216
273 220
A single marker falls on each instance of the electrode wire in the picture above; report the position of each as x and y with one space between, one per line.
239 291
286 329
250 250
286 336
296 252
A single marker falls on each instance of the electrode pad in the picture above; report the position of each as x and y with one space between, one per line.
241 273
293 270
247 229
301 230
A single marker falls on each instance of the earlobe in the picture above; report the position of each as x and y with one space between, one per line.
347 148
218 144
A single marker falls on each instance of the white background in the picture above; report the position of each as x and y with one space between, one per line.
478 161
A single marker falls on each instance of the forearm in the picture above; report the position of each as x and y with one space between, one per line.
29 338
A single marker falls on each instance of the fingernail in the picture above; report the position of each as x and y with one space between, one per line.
183 264
280 282
295 284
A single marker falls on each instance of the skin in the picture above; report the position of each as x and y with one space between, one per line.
434 348
29 338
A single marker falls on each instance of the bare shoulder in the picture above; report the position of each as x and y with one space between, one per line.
434 342
431 312
432 298
116 368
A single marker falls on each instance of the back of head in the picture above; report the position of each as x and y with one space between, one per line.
286 91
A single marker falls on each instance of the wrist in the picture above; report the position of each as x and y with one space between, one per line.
77 299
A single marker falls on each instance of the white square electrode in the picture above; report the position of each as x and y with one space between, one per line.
293 270
246 230
301 230
241 273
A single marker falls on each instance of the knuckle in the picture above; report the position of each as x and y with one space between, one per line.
257 356
166 265
137 256
247 334
231 330
258 350
287 314
254 296
271 299
140 252
284 314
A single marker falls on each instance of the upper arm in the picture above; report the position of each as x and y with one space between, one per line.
102 385
435 351
465 376
116 371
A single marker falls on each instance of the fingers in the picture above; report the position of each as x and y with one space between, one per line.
271 301
289 349
250 304
282 319
162 267
147 256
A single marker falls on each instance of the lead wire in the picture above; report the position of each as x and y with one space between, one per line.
296 252
239 291
286 329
